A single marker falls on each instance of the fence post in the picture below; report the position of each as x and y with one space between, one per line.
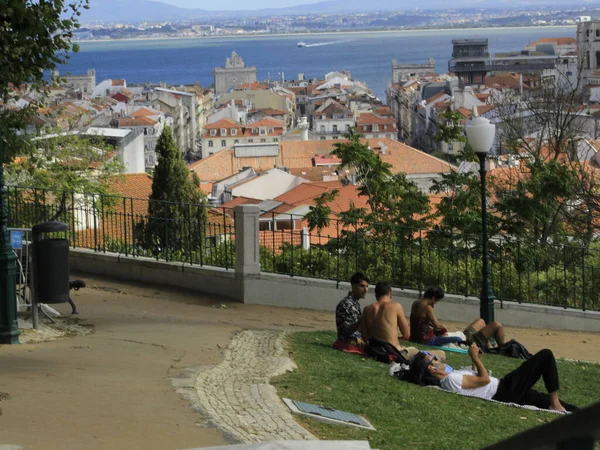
247 250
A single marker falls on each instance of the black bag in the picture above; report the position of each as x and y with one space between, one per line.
512 349
384 352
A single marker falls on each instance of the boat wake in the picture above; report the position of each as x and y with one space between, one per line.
321 44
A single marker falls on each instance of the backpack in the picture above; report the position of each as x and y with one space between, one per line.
512 349
385 352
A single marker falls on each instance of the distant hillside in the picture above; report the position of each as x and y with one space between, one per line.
129 11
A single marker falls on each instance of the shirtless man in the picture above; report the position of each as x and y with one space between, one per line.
384 318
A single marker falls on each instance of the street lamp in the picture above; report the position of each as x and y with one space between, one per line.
480 134
9 329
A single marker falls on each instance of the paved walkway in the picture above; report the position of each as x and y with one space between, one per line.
132 382
237 394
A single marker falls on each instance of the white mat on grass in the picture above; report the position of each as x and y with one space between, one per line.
514 405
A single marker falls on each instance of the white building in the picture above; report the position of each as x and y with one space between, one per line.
588 48
258 185
332 120
226 133
129 144
150 123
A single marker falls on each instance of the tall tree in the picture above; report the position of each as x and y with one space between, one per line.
177 210
553 195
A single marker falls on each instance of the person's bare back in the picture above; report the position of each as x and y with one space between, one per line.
384 320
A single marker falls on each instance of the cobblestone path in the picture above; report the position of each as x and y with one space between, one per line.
237 395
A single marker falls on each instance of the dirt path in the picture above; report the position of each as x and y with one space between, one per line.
111 389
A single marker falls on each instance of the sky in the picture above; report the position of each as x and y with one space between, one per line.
236 4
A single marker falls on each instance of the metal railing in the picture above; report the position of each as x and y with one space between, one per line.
524 272
520 271
180 232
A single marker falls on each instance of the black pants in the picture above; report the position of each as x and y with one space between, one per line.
517 386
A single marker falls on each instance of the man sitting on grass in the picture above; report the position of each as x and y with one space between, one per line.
348 314
427 329
516 387
383 319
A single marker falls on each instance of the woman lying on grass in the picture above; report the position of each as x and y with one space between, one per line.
516 387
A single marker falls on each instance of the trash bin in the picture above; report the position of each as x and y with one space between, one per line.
50 263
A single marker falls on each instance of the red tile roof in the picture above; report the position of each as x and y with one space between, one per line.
557 41
141 121
372 119
120 97
435 97
252 87
300 154
267 122
222 123
144 112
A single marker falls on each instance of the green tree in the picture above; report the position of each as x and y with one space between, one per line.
554 194
35 37
58 173
177 210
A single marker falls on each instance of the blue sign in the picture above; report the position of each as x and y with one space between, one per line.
16 240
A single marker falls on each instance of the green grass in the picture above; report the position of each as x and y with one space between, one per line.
408 416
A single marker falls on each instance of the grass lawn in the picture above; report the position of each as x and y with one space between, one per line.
408 416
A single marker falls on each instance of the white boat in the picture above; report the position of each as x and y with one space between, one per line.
301 44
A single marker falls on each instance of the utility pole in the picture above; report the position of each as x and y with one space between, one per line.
9 329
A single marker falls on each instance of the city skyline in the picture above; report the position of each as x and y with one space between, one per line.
234 5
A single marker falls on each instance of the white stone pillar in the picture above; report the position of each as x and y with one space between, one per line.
247 250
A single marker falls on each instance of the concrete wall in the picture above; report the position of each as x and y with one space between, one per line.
212 280
308 293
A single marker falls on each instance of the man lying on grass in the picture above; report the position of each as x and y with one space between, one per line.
516 387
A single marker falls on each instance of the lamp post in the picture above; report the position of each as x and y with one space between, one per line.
9 329
480 134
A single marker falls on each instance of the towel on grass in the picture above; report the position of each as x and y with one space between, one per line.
514 405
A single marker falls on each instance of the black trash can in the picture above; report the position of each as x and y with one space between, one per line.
50 263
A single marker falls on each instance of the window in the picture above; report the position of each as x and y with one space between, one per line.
335 129
597 33
254 130
597 59
270 130
236 141
223 143
263 131
210 143
587 59
323 117
234 131
347 127
322 138
213 132
250 141
322 129
336 137
364 128
275 140
263 140
223 131
375 127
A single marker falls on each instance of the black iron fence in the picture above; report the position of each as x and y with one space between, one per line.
188 233
525 272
